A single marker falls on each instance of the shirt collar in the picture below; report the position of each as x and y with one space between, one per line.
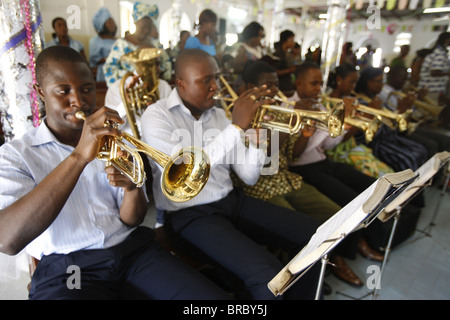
174 101
44 135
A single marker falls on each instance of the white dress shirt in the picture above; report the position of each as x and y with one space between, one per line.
317 144
169 126
90 217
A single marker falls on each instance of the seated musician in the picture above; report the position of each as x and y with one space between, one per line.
66 209
342 82
396 80
286 188
338 181
389 145
222 221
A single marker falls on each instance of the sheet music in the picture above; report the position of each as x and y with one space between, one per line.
338 226
425 172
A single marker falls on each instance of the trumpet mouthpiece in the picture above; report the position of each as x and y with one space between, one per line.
80 115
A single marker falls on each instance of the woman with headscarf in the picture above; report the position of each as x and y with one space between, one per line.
101 44
143 15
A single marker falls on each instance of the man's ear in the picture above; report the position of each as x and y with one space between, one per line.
39 91
179 84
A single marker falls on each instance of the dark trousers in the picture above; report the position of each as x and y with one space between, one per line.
138 268
231 231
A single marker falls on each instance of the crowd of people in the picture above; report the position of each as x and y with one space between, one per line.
62 205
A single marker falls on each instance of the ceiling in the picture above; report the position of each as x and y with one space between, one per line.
361 14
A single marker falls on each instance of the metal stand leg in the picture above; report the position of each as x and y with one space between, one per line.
374 292
427 230
324 262
386 253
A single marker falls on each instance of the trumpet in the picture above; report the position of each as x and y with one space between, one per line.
368 126
385 115
429 108
184 174
331 121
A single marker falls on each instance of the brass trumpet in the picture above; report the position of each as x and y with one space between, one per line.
368 126
385 115
331 121
184 174
136 98
429 108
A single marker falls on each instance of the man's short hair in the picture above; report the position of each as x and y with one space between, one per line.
186 56
57 54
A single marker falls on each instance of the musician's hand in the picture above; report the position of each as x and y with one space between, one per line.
119 180
376 103
406 102
308 131
94 133
422 93
350 105
247 104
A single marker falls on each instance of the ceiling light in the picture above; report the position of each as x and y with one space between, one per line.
436 10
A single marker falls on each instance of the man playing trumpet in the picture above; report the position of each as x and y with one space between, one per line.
57 202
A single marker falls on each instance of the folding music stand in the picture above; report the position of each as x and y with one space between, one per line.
356 215
425 174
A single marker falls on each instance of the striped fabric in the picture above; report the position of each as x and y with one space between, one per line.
90 217
437 60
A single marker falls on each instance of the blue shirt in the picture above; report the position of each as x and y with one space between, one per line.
99 48
194 43
74 44
89 219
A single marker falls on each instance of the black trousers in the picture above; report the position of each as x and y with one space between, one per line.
231 231
138 268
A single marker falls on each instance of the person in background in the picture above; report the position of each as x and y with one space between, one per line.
348 56
250 47
165 65
175 51
389 145
401 59
204 39
435 70
285 65
416 65
143 15
61 37
101 44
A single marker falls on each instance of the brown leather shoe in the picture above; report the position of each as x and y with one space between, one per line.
342 271
367 252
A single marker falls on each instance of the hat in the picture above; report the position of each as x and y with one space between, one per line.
100 18
142 10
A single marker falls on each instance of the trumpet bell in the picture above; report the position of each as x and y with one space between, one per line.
185 174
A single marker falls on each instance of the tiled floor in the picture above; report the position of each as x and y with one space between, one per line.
419 268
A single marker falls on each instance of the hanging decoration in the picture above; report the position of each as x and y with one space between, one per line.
402 4
21 39
413 4
390 5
